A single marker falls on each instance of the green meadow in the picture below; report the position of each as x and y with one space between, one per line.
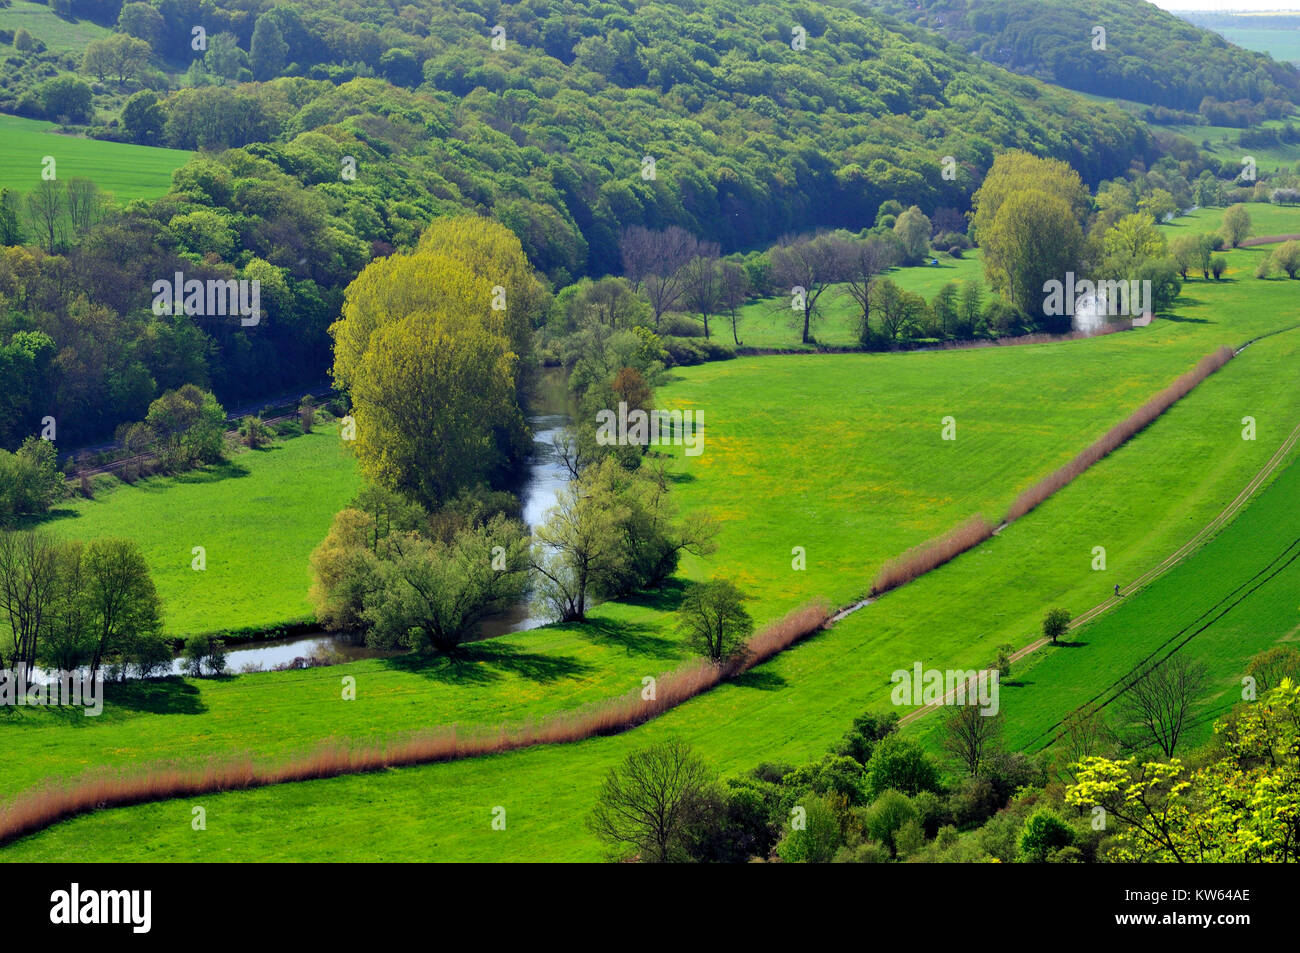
127 171
257 516
43 24
839 454
771 323
1235 597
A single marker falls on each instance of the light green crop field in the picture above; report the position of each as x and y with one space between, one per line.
127 171
1224 144
258 516
839 454
1238 595
43 24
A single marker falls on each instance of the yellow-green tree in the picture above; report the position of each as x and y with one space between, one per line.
493 253
1242 807
427 350
1029 216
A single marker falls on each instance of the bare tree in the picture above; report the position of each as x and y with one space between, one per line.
702 286
859 262
1083 733
807 267
84 204
45 211
970 735
29 576
645 803
1157 702
735 289
653 262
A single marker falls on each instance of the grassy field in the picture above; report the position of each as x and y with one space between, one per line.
258 516
1237 596
837 453
889 484
1265 220
791 709
43 24
770 323
127 171
810 450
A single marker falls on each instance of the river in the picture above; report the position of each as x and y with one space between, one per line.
549 411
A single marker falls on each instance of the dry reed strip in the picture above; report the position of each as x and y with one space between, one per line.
45 806
932 554
1118 434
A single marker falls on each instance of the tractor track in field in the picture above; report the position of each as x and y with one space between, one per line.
1225 516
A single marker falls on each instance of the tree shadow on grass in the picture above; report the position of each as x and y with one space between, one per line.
213 473
1179 319
158 696
762 680
667 598
636 638
480 663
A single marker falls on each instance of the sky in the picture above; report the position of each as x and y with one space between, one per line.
1228 5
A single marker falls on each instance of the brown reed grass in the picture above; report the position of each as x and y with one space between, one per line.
932 554
1118 434
57 801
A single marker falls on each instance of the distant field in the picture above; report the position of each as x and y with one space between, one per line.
127 171
771 323
57 33
1223 143
1265 220
1279 44
258 516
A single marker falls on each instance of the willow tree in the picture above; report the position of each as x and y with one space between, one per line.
1029 218
429 349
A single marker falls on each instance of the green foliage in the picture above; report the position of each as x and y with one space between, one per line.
1056 623
30 481
1043 834
66 99
714 622
817 836
901 765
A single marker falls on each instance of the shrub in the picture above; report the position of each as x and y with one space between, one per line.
1043 834
817 838
901 765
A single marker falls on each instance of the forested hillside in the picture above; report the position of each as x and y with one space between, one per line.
1149 55
738 121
